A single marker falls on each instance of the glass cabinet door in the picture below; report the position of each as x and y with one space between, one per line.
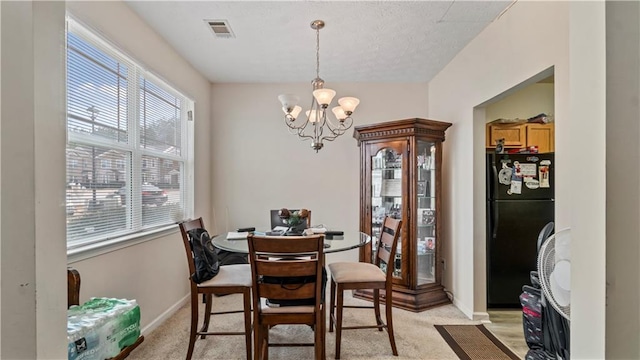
426 214
386 197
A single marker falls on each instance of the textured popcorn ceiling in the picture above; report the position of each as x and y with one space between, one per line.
363 41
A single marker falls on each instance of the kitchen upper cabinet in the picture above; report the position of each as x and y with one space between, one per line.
542 136
521 136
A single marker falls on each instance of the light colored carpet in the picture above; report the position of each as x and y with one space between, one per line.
416 337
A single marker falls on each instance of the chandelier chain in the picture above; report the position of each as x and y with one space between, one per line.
317 53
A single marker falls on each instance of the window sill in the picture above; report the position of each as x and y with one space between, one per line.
92 250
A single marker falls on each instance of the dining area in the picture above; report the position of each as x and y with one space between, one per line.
285 285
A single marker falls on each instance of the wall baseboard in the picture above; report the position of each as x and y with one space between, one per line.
481 316
165 315
457 303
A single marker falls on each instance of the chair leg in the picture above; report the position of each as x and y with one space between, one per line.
246 296
257 340
265 343
194 325
207 313
388 308
317 335
323 333
376 308
332 305
339 319
324 337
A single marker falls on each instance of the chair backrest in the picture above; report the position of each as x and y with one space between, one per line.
277 221
387 244
73 287
185 226
294 262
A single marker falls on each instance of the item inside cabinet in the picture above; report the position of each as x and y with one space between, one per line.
391 188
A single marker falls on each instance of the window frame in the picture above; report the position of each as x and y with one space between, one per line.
135 231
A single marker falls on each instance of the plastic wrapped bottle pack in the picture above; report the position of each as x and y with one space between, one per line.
101 327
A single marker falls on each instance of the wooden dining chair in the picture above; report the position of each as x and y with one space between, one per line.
362 275
231 279
287 268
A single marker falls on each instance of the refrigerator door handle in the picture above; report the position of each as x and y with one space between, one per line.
494 219
494 181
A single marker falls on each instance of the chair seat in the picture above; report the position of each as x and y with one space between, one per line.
230 275
295 309
351 272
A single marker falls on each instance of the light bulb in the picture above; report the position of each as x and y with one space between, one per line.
324 96
314 115
339 113
295 112
348 104
289 101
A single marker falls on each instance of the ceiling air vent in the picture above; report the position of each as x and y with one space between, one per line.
220 28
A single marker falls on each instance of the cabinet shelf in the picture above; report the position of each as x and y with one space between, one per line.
411 192
386 169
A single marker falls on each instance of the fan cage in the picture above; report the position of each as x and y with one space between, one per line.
546 263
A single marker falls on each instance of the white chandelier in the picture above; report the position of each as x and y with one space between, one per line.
316 116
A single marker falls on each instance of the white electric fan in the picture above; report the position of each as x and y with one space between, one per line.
554 271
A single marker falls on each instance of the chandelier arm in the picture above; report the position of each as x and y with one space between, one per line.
342 127
291 124
292 131
301 134
335 133
306 137
329 138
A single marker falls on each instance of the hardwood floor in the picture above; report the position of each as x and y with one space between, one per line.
506 325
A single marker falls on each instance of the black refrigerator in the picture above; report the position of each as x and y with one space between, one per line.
520 202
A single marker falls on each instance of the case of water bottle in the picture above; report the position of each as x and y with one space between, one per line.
101 327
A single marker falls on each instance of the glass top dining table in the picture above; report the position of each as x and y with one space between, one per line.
336 243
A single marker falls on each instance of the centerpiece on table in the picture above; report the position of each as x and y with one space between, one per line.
296 220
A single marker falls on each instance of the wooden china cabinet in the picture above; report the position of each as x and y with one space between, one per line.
400 175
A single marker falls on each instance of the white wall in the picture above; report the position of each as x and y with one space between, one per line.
586 140
529 38
0 178
259 166
623 182
33 137
508 52
523 104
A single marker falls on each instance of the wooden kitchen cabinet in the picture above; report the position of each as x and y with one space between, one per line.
542 136
400 176
522 135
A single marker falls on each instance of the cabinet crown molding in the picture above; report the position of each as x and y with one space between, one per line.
398 128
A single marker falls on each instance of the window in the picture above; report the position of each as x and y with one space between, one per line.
121 123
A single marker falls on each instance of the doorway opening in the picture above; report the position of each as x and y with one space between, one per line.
517 129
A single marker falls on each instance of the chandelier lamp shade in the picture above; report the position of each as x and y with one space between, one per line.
316 125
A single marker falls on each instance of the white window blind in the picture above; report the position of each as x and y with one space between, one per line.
127 148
